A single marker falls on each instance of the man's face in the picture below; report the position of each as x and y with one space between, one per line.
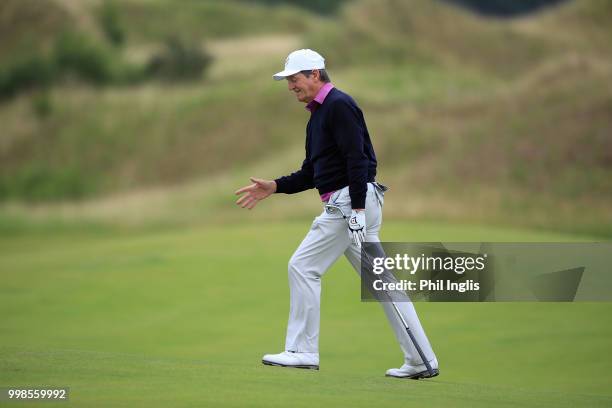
305 88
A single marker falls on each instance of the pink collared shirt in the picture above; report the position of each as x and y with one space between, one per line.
312 106
320 98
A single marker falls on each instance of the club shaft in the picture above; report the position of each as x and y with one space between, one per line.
397 311
408 331
414 341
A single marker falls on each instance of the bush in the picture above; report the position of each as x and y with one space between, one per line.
325 7
179 61
505 8
79 55
27 72
39 182
111 24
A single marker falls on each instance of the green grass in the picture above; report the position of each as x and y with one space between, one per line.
182 317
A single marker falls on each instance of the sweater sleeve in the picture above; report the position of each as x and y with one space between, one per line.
348 131
298 181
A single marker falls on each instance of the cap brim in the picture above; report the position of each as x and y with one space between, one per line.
284 74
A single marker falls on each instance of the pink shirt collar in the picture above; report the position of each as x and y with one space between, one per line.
320 98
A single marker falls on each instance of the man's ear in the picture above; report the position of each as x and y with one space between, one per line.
317 74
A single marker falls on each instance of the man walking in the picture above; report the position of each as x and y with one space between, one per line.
340 162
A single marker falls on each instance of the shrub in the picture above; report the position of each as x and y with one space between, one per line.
111 24
27 72
79 55
325 7
179 61
38 182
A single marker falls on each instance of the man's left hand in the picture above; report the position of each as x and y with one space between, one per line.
357 227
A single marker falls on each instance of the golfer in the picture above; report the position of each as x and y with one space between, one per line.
340 162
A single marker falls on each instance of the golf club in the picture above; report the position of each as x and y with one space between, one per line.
430 370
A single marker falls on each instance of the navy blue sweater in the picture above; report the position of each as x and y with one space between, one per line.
338 151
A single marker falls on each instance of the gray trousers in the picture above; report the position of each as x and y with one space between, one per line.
326 241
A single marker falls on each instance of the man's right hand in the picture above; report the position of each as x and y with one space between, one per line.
255 192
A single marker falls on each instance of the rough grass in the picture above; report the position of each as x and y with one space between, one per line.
421 30
466 124
158 19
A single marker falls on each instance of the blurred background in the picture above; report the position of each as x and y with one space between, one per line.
152 112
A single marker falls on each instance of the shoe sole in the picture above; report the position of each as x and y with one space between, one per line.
306 367
417 376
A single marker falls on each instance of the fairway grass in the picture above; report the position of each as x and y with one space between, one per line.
182 318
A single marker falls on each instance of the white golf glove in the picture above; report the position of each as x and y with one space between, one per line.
357 227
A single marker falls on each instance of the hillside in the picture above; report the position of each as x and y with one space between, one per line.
75 140
523 126
30 24
473 119
418 31
17 19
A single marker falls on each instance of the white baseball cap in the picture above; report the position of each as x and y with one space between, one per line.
300 60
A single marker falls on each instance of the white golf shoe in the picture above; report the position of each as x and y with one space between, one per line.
414 372
292 359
